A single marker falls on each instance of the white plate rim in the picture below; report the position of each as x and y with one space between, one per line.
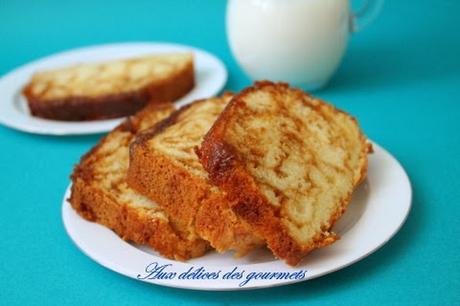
17 117
399 211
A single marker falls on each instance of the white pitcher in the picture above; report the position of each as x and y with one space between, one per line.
297 41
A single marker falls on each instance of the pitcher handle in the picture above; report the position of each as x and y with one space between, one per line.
365 15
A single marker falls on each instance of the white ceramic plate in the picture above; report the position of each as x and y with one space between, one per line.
378 209
210 74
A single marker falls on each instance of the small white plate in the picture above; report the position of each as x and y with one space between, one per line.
210 73
378 210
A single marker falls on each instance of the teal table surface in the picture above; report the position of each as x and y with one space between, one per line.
400 77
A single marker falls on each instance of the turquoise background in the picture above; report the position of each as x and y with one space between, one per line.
400 77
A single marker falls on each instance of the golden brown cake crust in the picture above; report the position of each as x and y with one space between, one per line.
132 224
226 169
99 204
189 198
82 108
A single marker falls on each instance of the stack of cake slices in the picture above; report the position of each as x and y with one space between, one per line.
270 166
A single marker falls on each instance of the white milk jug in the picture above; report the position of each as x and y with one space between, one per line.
297 41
